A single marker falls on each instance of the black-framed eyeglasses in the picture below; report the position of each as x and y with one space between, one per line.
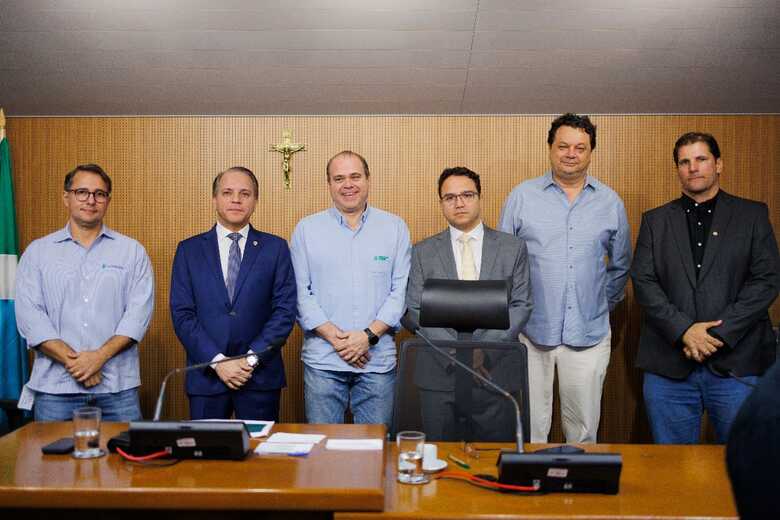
82 195
466 197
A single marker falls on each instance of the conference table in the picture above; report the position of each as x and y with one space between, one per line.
658 482
316 485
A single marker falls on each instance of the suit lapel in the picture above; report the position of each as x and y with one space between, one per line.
679 226
251 250
446 255
489 253
211 253
724 209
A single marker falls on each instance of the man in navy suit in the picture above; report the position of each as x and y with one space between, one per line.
233 292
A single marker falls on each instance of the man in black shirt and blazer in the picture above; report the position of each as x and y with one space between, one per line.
705 272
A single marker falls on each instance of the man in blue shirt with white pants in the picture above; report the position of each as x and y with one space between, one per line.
351 265
571 223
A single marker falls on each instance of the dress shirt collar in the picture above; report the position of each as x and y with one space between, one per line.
223 232
549 181
477 233
64 234
688 203
335 213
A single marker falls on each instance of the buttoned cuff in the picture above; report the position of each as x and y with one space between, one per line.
218 357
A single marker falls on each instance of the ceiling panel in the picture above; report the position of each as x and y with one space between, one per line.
90 57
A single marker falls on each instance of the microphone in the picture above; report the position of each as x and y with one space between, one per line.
488 382
187 439
275 344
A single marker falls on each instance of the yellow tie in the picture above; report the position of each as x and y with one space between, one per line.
467 269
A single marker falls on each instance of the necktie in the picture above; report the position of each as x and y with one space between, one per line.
467 269
234 264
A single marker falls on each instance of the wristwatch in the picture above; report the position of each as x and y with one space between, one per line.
373 339
252 360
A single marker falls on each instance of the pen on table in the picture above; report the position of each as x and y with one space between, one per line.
457 461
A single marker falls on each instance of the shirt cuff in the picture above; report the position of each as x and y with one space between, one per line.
130 329
218 357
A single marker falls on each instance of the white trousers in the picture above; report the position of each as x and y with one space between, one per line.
581 374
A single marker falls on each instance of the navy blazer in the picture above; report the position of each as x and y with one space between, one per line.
207 324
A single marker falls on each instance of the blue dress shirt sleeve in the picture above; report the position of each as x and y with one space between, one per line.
31 318
619 259
310 314
393 308
140 302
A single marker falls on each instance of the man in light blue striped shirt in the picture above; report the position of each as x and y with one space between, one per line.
579 245
84 299
351 265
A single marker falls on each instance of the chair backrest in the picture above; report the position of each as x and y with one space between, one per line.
440 398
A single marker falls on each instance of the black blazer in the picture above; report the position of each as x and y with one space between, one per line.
737 283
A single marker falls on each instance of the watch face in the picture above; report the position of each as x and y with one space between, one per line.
373 339
252 360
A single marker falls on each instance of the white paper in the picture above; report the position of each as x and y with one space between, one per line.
354 444
256 429
283 448
296 438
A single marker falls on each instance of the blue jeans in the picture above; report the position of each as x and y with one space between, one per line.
675 406
118 407
328 392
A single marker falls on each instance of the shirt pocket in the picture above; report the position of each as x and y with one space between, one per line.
381 273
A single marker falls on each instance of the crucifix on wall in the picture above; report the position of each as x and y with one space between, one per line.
287 148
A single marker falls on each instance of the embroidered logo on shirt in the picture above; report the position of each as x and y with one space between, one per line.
381 258
113 266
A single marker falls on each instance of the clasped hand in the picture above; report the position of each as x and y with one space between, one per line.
234 373
698 345
85 367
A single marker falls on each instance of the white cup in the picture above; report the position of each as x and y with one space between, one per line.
430 455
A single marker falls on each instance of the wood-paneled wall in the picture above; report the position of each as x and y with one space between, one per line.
162 168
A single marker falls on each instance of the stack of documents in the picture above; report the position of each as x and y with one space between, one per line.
296 444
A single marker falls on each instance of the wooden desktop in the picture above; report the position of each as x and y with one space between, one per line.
657 482
325 480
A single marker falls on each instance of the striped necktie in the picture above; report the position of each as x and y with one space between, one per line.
234 264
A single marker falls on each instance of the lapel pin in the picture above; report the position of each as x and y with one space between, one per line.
714 233
255 242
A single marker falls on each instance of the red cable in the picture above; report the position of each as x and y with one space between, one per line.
468 477
151 456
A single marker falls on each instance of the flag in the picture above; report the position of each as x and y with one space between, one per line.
13 352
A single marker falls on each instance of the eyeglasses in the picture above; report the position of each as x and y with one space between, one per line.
466 197
82 195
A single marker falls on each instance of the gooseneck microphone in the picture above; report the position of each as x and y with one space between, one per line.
276 344
488 382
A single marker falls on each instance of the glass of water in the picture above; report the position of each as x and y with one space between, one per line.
86 433
410 457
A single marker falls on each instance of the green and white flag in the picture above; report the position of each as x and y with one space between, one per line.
13 352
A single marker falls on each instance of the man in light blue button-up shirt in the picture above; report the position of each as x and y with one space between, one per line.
84 299
579 246
351 265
